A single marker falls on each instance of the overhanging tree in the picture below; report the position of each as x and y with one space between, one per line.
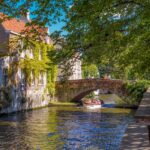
117 30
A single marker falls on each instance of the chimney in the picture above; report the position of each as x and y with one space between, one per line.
25 17
47 38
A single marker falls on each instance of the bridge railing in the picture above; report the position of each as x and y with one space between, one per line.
89 79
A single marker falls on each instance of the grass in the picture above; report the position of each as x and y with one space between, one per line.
62 104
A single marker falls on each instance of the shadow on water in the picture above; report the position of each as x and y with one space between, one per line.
109 105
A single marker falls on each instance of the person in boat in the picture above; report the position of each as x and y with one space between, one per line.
93 101
97 102
102 102
87 101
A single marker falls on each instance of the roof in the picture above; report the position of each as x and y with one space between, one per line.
12 24
18 26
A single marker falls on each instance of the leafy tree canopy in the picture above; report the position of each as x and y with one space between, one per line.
90 71
114 31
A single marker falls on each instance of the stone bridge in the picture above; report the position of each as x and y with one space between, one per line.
75 90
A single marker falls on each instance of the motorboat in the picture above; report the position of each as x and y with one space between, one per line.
92 103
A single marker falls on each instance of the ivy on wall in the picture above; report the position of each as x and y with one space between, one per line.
51 78
40 62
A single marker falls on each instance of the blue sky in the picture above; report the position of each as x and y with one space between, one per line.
53 27
57 27
60 24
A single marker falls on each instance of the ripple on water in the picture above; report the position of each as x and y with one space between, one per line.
65 128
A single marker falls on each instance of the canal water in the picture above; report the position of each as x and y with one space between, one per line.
64 128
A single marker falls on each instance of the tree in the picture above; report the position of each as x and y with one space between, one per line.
42 12
116 31
90 71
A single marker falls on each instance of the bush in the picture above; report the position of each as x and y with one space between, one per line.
136 90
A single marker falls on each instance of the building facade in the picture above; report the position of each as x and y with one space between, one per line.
76 70
15 93
70 70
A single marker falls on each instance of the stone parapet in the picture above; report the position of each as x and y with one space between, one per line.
75 90
143 112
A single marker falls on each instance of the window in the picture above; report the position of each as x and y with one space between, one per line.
22 76
41 78
22 80
5 76
32 77
21 44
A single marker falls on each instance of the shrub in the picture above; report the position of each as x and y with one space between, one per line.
136 90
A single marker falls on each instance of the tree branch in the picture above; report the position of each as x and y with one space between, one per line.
124 2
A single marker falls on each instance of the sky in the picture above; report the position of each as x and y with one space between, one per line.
60 24
56 27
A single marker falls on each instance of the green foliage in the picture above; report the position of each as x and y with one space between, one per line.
51 78
37 64
135 91
113 32
89 71
91 95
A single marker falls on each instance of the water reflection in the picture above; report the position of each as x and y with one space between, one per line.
64 128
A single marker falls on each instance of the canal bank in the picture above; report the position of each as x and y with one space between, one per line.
137 136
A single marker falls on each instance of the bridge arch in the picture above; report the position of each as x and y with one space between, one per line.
75 90
81 95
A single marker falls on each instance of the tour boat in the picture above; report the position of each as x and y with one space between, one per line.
92 103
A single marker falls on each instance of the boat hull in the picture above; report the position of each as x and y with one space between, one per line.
92 106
